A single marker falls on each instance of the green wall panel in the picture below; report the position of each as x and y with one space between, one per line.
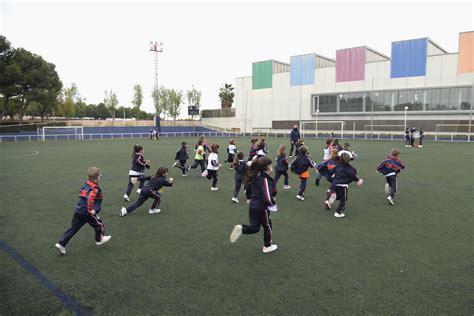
262 74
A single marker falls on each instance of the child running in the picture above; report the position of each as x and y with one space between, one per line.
326 168
87 210
299 143
136 172
281 168
240 166
151 190
199 157
204 145
213 166
231 151
253 149
347 149
390 168
301 166
327 149
262 202
343 176
261 147
182 155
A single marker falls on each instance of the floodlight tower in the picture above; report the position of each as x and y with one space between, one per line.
156 47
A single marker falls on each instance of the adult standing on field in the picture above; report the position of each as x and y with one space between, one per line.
294 137
412 135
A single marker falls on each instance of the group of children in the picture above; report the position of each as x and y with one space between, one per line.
253 173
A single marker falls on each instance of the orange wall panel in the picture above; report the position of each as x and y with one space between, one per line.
466 52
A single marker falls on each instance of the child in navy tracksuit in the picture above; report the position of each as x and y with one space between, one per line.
151 190
263 201
181 156
136 172
253 149
301 166
327 167
87 210
344 174
261 145
281 168
240 166
390 168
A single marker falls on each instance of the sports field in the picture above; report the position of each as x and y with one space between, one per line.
414 258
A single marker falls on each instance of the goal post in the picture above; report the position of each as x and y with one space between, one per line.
313 127
74 132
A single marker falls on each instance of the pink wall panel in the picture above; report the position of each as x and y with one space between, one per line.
350 64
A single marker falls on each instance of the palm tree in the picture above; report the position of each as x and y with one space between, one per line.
226 95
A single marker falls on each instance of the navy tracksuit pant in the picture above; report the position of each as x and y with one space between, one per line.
342 194
130 184
259 217
392 182
302 186
278 174
144 195
238 185
79 220
200 163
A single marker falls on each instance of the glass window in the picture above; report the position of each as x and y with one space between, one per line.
327 103
343 103
355 102
400 100
453 99
465 96
417 100
444 102
433 103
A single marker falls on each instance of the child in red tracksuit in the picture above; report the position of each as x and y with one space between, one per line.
261 204
87 209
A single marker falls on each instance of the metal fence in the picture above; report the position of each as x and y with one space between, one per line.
451 137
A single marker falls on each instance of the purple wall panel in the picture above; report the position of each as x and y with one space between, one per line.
350 64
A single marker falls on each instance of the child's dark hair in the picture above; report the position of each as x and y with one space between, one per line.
329 141
200 142
232 141
345 158
303 150
240 156
347 146
254 140
257 166
183 144
161 172
214 148
336 142
300 142
136 149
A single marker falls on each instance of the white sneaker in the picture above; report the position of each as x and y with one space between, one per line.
123 212
387 188
390 200
248 201
420 146
286 187
214 189
185 175
103 240
174 164
236 233
332 198
154 211
299 197
126 198
269 249
60 248
235 200
339 215
139 190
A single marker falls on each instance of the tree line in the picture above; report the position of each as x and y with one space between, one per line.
30 86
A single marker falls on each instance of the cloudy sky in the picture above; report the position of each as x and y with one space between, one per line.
102 46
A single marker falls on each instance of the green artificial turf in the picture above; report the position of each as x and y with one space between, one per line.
414 258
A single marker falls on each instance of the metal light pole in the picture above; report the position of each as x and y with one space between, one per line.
316 127
406 108
372 111
156 47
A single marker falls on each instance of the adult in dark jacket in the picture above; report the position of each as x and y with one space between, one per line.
294 137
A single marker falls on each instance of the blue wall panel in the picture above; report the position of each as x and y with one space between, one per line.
409 58
302 69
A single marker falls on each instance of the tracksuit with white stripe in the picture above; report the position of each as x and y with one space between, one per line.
87 208
263 192
390 167
138 166
343 176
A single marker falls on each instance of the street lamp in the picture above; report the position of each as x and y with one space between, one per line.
406 108
317 111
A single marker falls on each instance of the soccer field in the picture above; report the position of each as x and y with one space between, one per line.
414 258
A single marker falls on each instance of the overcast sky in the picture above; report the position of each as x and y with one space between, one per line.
104 45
